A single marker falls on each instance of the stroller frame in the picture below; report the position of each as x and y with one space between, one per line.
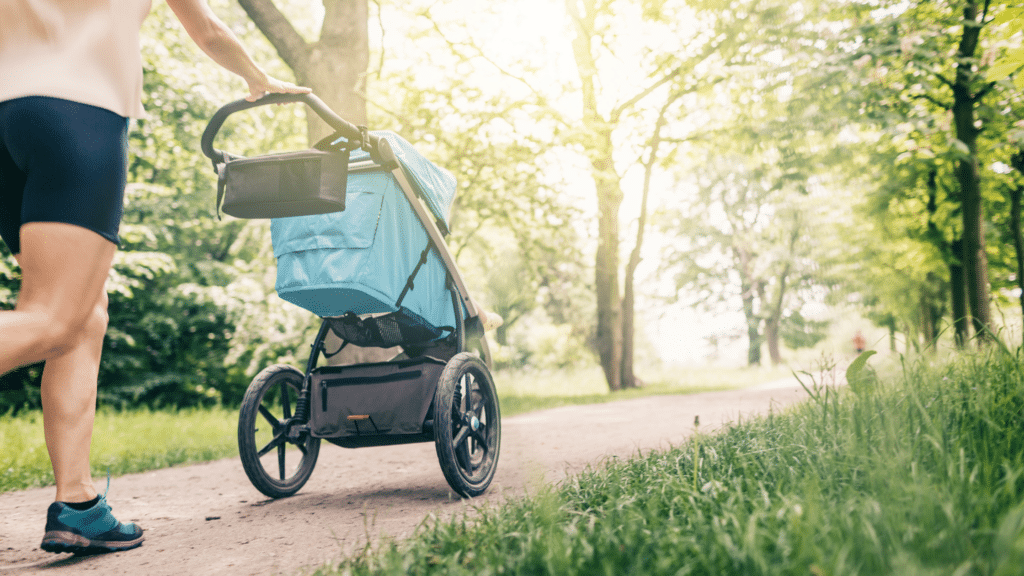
279 447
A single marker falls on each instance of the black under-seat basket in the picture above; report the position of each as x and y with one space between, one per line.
385 398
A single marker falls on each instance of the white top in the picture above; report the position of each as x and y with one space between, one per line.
82 50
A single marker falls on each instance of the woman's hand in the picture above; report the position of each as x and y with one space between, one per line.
259 87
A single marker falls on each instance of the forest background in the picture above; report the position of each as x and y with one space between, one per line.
755 174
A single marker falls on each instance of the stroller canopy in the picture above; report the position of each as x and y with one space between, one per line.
361 260
435 184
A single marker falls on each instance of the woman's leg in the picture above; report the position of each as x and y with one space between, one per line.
69 408
60 317
64 269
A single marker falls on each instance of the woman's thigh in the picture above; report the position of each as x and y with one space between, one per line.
60 161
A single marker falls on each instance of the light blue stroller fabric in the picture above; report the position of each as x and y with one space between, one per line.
359 260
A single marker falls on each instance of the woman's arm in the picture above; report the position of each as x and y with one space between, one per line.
220 44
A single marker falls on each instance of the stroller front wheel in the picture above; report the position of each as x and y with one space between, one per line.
467 425
277 456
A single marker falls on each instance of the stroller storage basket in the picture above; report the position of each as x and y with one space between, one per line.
281 185
388 398
360 260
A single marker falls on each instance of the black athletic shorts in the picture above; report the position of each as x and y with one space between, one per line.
61 161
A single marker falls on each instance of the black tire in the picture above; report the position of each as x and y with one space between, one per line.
467 425
276 464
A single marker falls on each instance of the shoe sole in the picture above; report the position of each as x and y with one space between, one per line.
59 541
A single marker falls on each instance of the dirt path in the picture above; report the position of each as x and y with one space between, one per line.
208 519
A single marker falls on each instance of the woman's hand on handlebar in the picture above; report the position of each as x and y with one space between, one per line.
259 87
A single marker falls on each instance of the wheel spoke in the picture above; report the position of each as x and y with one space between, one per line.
277 441
481 439
286 406
461 436
280 458
477 405
270 417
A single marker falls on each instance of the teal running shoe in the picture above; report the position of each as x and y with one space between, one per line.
89 531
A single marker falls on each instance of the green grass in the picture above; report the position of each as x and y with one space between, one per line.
137 441
123 442
923 475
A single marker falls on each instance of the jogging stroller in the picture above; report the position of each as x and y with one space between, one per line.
379 274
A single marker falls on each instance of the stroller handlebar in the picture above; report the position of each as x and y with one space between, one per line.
349 131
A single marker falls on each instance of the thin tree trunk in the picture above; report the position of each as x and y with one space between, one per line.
952 255
958 294
1017 161
748 295
975 261
628 295
754 339
774 320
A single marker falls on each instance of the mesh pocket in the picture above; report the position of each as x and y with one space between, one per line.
401 327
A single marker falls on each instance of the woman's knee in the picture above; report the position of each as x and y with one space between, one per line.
63 332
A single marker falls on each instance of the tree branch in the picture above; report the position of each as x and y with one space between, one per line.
934 100
981 93
290 45
640 96
942 79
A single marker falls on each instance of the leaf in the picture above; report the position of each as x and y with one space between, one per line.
859 374
1008 15
1003 69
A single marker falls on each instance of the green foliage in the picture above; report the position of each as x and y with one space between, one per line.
921 476
1012 61
124 442
800 332
515 229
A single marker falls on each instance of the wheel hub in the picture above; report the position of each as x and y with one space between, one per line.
474 423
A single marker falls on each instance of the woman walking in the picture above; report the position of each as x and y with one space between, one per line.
71 78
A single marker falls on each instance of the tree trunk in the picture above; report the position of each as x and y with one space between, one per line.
952 255
748 295
771 324
753 330
958 294
975 261
1017 161
628 295
597 141
628 378
771 338
334 66
606 278
774 320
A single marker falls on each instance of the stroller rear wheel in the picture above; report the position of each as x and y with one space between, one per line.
278 453
467 424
